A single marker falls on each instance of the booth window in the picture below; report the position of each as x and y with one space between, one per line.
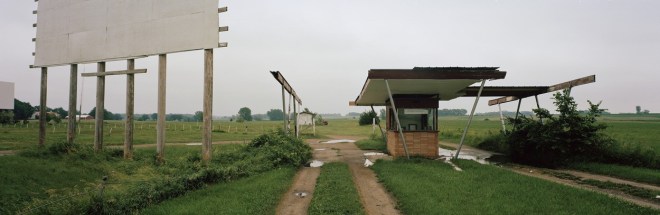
415 119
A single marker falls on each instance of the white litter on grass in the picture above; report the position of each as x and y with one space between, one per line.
301 194
453 165
477 156
193 144
373 153
339 141
657 197
368 163
316 163
321 149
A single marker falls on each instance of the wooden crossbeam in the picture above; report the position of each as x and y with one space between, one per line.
120 72
553 88
502 100
573 83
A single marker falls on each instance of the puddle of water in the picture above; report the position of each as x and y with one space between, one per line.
301 194
373 153
316 163
339 141
465 154
193 144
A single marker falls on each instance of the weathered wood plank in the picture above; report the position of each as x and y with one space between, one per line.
119 72
208 106
42 106
160 131
573 83
130 107
73 100
100 107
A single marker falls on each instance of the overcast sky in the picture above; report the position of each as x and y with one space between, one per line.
325 48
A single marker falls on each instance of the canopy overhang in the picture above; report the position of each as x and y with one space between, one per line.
446 82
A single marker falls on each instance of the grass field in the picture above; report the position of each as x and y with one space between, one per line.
258 194
437 188
650 176
335 192
630 129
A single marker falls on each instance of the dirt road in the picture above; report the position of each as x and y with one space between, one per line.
373 196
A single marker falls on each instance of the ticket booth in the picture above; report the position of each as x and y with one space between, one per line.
411 97
418 116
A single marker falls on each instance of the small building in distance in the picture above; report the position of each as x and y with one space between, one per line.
82 117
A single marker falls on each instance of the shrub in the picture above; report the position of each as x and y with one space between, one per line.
366 118
558 140
266 152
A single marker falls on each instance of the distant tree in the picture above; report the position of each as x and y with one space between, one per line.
143 117
646 112
366 118
154 116
22 110
383 113
353 114
63 113
199 116
452 112
107 115
174 117
275 114
259 117
245 114
6 117
638 109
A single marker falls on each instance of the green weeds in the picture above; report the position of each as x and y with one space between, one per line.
335 192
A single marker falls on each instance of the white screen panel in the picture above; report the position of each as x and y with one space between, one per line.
6 95
84 31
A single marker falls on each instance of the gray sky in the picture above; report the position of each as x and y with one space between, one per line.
325 48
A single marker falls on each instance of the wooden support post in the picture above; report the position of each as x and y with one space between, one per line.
73 91
130 108
284 110
42 106
382 133
295 118
502 118
538 106
467 127
396 117
100 108
208 106
160 136
517 112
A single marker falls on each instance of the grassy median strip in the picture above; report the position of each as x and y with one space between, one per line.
258 194
335 192
433 187
644 175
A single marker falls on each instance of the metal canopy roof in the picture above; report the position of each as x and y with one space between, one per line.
446 82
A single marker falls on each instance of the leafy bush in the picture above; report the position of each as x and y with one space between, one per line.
181 175
558 140
366 118
572 136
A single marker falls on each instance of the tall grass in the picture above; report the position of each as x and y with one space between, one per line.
257 194
335 192
433 187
